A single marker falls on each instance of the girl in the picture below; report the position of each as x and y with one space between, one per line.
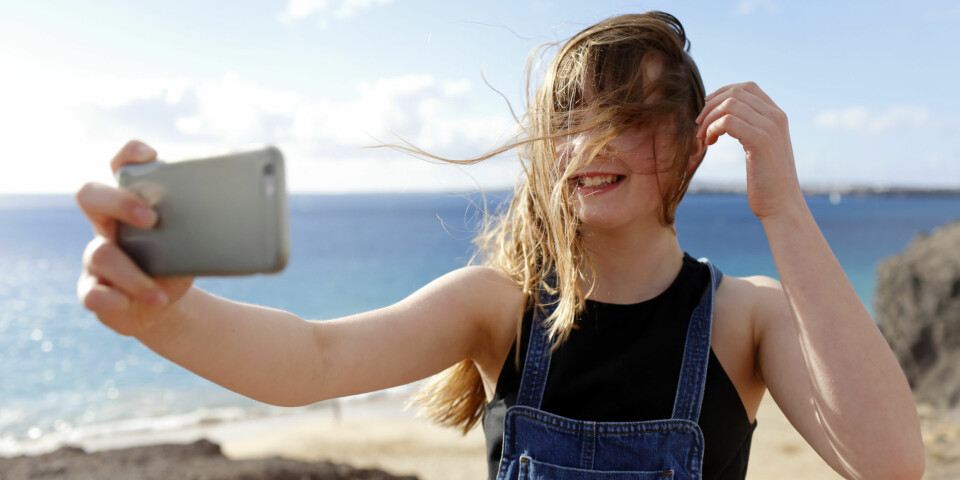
588 342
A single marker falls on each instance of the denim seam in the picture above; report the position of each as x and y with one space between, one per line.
530 382
543 368
696 353
538 359
573 428
591 444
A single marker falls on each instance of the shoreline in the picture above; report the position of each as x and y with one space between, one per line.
205 422
376 432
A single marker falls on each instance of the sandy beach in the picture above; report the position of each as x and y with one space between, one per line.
378 433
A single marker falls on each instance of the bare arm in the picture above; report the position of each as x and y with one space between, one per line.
831 372
271 355
821 355
275 357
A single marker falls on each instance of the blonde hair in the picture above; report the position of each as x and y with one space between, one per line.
638 74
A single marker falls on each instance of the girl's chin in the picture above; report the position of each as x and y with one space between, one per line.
613 219
616 208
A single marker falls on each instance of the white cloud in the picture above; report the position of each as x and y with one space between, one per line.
746 7
725 162
415 108
62 137
457 87
862 120
50 141
232 110
324 10
398 174
349 8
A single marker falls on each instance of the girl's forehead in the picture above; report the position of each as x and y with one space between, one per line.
651 68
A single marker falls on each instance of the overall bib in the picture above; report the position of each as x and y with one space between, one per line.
538 445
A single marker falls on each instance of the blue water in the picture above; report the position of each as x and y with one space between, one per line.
62 371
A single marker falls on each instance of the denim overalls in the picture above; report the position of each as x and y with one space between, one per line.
542 446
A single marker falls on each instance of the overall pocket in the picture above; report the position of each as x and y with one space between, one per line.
531 469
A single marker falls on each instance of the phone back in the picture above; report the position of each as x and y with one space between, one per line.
224 215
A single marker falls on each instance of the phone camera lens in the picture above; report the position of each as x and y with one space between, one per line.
269 180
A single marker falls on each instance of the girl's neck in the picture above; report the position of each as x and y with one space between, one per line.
632 265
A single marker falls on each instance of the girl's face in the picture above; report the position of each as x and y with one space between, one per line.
619 187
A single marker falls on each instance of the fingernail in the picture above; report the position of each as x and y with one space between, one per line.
157 299
144 152
145 216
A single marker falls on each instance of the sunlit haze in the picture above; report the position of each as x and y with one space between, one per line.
870 89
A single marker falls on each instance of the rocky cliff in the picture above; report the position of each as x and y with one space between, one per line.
918 311
201 460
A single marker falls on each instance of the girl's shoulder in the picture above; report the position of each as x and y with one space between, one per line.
497 301
486 282
750 299
741 309
484 290
494 297
746 304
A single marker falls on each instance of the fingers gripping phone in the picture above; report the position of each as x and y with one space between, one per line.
223 215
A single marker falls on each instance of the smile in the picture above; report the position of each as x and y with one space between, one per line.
597 183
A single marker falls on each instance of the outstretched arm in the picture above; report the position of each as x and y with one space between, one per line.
275 357
271 355
819 352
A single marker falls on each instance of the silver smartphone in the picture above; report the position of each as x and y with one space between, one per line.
222 215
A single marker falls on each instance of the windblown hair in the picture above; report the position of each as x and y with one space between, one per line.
626 72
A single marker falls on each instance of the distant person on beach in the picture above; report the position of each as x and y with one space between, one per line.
588 343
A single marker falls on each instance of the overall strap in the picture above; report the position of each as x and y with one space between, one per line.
696 353
537 364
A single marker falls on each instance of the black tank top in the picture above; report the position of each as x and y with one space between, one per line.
621 363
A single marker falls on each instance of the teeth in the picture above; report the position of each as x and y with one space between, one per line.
597 181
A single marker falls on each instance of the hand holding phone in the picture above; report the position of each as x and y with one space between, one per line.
222 215
111 285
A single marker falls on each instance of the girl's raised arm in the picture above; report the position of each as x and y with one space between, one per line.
819 352
271 355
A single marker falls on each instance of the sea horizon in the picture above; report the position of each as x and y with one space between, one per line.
697 187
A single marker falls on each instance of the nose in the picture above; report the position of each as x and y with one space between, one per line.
578 141
574 145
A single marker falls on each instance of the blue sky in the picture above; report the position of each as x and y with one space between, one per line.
869 87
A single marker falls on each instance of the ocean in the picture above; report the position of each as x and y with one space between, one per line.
64 376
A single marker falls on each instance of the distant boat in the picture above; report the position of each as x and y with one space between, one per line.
835 197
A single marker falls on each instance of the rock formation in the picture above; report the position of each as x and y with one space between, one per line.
918 311
201 460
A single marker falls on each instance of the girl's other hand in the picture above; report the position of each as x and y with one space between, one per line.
746 113
110 285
